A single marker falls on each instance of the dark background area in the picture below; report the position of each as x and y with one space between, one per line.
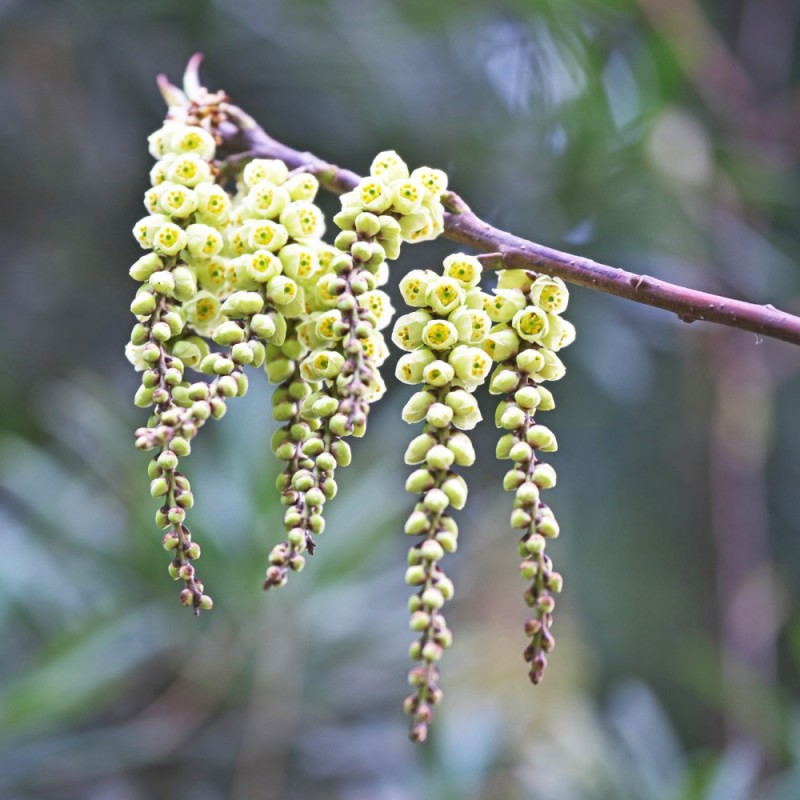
658 135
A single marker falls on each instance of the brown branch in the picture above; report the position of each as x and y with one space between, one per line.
242 136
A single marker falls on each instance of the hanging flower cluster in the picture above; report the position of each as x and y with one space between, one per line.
279 235
528 333
236 274
441 339
185 227
339 346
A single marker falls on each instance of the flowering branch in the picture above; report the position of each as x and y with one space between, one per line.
243 138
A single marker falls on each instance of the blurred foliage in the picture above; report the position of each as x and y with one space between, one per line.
613 129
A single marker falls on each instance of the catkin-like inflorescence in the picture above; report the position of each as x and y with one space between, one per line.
442 338
528 332
185 227
204 283
243 278
332 369
276 242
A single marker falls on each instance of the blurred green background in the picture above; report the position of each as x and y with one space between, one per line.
658 135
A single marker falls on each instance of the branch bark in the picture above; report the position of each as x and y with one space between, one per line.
243 138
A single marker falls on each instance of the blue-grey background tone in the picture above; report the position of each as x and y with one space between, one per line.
658 135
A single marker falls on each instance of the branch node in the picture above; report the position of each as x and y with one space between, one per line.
492 260
454 203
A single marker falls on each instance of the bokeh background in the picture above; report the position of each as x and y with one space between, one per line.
658 135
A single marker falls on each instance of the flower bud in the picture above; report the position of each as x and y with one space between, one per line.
339 425
185 283
512 418
435 500
530 360
162 282
143 397
160 332
262 325
528 494
367 224
415 576
548 526
553 368
455 488
419 481
341 452
448 541
520 519
417 406
527 398
504 382
159 487
432 598
439 415
513 479
542 438
521 452
279 369
243 304
547 402
242 353
439 457
544 476
417 523
325 406
143 304
144 267
315 497
228 333
555 582
227 386
418 448
461 447
419 621
139 335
